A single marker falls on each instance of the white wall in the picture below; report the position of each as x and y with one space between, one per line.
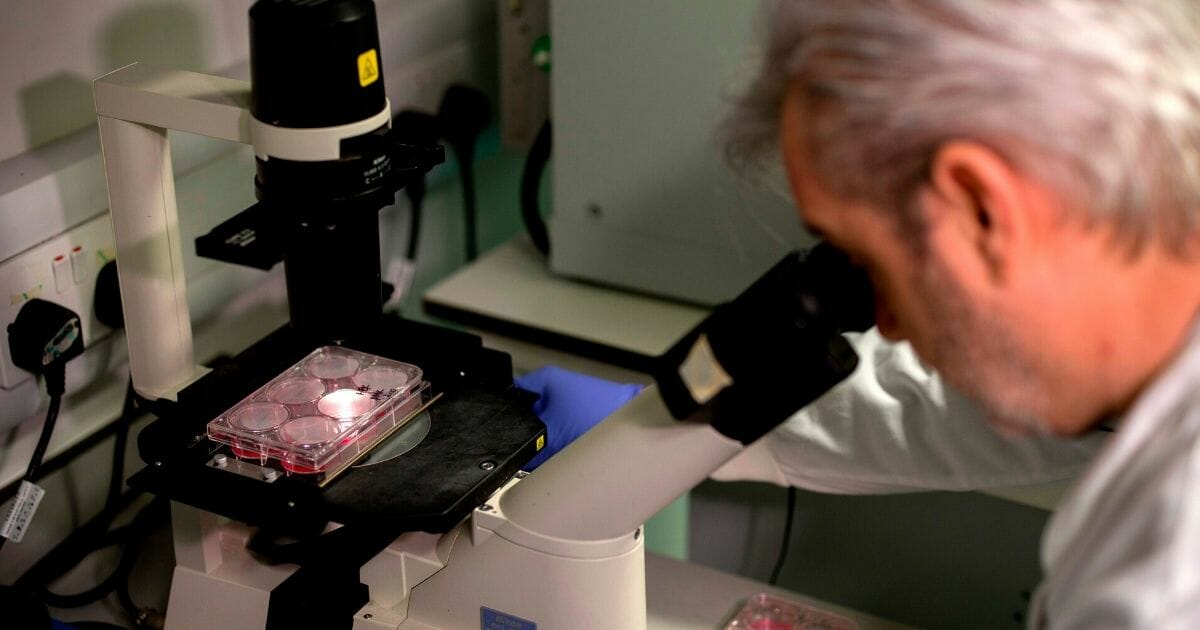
52 49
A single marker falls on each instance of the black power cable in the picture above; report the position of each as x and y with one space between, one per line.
89 537
94 593
415 192
55 378
37 348
95 535
39 452
116 479
531 179
463 115
131 537
84 540
787 535
417 128
466 170
42 339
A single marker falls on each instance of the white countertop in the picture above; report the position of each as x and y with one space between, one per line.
685 596
512 285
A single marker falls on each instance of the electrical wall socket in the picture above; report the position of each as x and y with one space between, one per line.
61 270
524 88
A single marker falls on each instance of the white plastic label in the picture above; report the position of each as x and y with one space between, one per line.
495 620
702 373
20 513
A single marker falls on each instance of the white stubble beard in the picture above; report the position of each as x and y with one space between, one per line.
975 352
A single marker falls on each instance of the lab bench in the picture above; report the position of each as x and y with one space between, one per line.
686 596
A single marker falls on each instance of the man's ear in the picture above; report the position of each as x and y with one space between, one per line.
978 196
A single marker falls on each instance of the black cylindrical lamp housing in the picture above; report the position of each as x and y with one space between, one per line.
315 63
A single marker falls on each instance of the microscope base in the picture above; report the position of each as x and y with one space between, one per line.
499 574
217 583
488 569
537 588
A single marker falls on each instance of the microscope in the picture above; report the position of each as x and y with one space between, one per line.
450 533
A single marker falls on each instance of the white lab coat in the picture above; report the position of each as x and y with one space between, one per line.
893 426
1123 549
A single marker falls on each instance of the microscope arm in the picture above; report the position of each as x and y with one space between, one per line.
619 474
745 369
559 548
136 105
562 547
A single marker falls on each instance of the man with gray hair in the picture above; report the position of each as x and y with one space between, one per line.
1020 179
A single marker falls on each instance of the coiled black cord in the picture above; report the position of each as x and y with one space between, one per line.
95 535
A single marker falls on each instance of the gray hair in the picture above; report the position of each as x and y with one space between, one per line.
1099 99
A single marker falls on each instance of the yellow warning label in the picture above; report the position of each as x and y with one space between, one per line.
541 442
368 68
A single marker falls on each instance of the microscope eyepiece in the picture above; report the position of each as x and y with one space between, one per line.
772 350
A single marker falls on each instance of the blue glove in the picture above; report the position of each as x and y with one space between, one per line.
570 404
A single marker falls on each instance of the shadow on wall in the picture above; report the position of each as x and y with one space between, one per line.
165 34
55 107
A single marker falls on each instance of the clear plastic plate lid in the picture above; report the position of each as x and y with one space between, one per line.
331 403
767 612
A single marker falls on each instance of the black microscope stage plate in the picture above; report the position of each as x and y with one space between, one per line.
481 432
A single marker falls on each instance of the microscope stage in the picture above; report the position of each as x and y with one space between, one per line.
480 432
323 413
